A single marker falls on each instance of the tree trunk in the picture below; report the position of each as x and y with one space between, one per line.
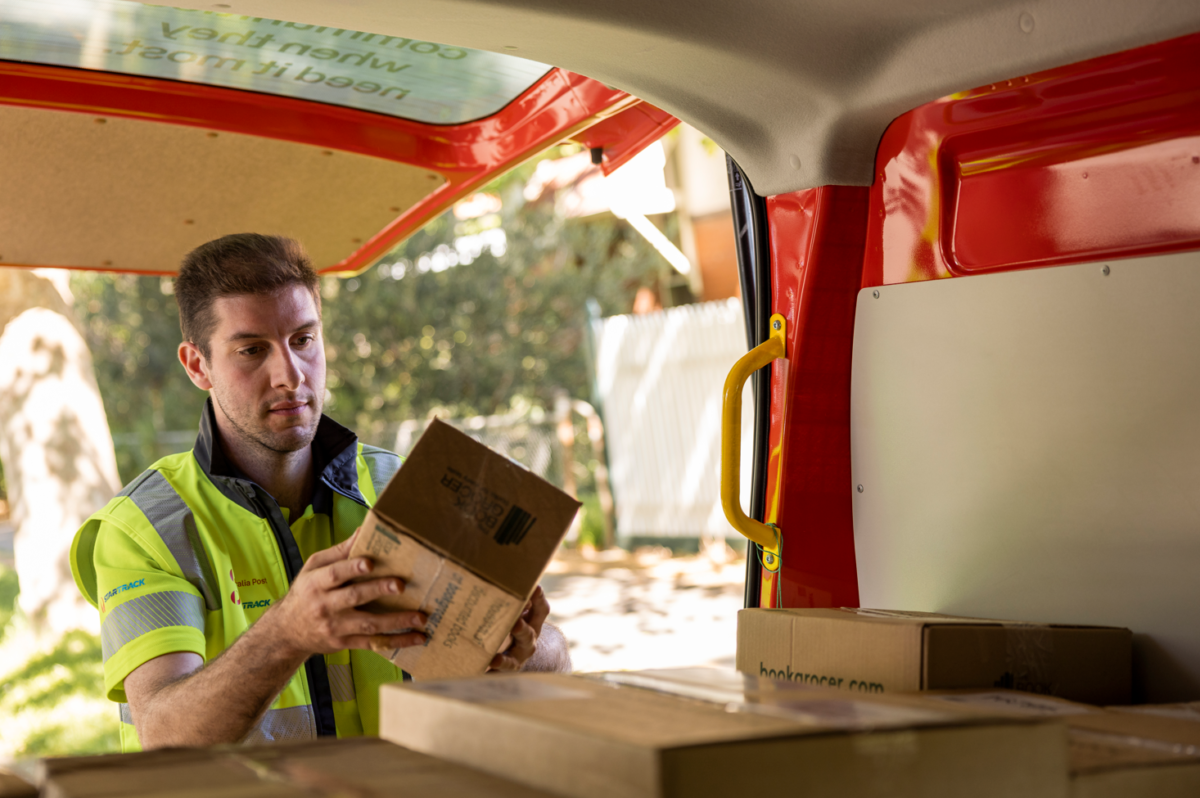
55 443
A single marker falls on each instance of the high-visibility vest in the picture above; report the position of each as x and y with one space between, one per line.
191 553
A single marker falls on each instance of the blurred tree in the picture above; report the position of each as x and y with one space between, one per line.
417 334
54 441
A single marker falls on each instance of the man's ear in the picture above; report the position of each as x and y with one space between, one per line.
195 365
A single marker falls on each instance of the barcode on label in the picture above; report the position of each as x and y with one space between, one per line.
514 526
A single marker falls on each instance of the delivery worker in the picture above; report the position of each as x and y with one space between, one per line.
222 578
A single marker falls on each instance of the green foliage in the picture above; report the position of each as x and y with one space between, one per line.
591 527
476 338
74 665
8 597
41 692
52 701
132 328
404 339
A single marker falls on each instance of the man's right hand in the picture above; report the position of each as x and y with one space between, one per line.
319 614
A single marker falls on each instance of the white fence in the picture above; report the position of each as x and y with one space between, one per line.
660 378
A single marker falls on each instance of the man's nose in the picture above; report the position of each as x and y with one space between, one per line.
285 369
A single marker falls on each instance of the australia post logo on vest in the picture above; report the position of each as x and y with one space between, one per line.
253 581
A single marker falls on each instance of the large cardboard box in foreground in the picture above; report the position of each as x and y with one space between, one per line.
589 737
883 651
13 786
360 767
471 532
1119 752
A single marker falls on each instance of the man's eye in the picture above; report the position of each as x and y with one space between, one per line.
305 340
250 351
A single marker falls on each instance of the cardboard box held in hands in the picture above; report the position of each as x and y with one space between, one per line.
470 532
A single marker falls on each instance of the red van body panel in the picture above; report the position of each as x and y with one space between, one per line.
816 258
1094 160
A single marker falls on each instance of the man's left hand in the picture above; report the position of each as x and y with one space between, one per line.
525 634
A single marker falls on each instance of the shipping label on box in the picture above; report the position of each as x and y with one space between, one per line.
876 651
470 532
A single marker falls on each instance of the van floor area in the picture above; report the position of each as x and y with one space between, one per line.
647 609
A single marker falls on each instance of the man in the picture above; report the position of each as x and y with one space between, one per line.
222 575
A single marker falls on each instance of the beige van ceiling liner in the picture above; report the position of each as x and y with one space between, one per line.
133 195
798 91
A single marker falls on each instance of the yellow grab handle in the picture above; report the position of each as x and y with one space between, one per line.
731 435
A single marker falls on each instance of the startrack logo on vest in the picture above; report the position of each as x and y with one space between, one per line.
128 586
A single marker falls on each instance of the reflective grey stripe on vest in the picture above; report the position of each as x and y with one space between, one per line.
382 464
293 723
135 617
341 682
172 520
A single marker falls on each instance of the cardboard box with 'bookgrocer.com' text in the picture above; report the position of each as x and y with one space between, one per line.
470 532
885 651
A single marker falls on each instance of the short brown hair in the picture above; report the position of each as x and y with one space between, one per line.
245 263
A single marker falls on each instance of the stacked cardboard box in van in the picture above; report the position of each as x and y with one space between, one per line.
886 651
360 767
1144 751
701 733
13 786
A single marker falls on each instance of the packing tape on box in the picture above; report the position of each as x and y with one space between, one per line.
1029 659
1161 750
296 774
1025 704
1189 712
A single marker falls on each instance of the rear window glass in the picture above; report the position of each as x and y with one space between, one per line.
408 78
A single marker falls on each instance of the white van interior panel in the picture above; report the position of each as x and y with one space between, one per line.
1028 447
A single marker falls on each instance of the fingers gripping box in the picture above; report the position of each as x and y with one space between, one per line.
470 532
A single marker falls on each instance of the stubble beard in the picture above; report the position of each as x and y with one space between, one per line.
254 431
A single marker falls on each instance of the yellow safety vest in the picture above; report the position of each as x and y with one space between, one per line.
191 553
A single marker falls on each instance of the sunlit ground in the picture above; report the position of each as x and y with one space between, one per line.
619 611
646 610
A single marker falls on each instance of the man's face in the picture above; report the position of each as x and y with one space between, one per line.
267 367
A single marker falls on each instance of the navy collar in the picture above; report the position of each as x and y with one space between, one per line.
334 449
